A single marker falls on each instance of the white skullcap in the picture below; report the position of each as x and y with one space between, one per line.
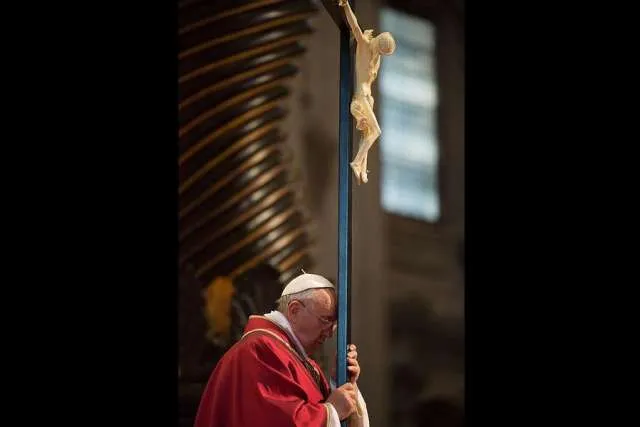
306 281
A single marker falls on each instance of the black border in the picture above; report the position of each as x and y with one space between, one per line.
105 280
522 287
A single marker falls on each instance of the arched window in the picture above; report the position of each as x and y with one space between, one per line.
409 144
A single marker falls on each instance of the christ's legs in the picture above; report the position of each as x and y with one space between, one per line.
363 172
370 132
356 164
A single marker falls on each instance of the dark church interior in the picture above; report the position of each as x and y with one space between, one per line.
258 192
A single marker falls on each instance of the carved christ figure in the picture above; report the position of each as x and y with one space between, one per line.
368 52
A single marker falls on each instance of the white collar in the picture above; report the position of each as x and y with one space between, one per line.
280 320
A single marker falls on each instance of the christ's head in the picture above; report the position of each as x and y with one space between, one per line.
384 43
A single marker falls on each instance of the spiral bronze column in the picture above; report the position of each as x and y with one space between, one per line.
237 206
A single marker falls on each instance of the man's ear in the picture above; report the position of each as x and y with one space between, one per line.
293 309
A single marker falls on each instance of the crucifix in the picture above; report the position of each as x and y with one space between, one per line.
356 105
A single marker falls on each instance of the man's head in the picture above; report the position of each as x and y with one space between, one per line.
309 303
385 43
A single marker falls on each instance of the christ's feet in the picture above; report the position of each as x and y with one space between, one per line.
360 172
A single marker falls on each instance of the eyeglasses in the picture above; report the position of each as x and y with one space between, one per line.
326 322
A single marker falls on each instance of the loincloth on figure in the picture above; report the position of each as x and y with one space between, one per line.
359 110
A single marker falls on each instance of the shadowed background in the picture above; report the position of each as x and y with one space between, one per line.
258 114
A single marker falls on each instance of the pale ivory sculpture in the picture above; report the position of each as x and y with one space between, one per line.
368 52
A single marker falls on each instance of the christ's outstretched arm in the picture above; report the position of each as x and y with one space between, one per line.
351 19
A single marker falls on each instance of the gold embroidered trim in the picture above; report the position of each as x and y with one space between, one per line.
328 411
276 336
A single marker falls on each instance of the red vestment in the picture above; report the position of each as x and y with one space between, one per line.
261 381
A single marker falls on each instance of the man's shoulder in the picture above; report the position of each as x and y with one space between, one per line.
264 339
257 340
249 347
257 349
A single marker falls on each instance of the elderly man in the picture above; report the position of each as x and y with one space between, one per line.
267 378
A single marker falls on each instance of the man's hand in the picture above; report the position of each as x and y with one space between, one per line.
352 363
342 3
344 400
353 367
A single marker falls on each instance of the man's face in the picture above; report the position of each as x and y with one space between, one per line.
314 320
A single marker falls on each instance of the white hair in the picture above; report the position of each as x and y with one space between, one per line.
283 301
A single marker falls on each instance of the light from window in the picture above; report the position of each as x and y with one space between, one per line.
408 145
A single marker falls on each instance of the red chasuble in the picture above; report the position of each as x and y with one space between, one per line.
261 381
